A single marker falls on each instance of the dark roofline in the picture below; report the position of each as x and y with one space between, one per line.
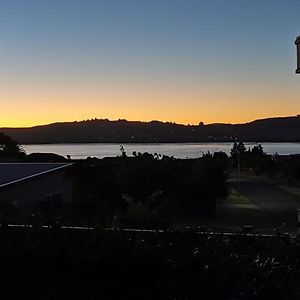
31 176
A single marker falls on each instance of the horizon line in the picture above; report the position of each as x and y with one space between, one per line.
123 119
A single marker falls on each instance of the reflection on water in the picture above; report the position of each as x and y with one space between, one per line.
178 150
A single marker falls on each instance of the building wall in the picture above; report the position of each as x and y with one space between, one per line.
31 192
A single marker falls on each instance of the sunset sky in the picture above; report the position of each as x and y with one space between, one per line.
183 61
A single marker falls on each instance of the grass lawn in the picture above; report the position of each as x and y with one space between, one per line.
236 198
237 210
234 212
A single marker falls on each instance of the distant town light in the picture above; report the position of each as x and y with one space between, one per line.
297 43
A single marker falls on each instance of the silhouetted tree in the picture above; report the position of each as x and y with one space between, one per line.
207 155
241 148
238 149
258 150
220 155
123 152
9 147
234 150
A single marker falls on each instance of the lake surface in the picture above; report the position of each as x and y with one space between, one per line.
178 150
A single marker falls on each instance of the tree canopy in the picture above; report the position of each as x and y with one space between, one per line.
9 147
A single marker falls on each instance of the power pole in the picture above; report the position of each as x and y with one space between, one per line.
238 175
297 43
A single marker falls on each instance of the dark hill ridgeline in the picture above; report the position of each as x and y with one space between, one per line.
283 129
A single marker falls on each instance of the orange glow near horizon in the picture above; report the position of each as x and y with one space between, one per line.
28 117
29 105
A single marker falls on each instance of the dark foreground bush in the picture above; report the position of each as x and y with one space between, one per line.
146 191
81 264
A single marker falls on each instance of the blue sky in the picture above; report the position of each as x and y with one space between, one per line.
183 61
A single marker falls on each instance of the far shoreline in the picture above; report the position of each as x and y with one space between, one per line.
156 143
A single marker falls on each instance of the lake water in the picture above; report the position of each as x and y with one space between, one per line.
178 150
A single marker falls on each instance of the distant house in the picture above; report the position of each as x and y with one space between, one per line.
30 186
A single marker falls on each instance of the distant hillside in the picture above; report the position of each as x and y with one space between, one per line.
284 129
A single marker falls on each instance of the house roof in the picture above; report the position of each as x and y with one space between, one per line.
11 173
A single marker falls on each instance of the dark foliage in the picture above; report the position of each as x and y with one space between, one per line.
147 191
9 147
79 264
238 150
254 159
